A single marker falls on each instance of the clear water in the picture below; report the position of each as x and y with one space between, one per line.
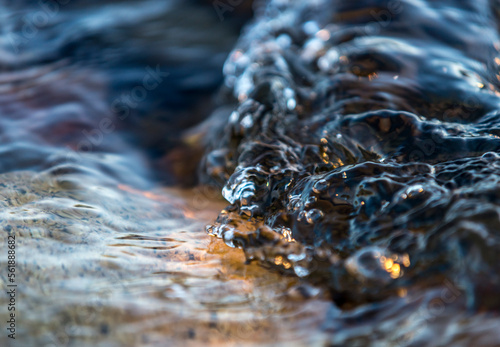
356 143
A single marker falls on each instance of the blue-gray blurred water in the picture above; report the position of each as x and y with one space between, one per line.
356 143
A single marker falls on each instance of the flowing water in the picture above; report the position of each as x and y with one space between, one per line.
109 251
362 156
355 141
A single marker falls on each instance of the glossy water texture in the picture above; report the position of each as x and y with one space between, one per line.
94 100
361 155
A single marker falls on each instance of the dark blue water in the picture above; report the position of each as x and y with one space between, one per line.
114 77
362 156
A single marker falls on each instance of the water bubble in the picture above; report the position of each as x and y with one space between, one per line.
366 264
311 201
413 191
314 216
320 186
490 157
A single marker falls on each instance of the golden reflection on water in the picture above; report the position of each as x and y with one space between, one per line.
115 266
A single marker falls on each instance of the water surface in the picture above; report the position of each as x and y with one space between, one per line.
362 156
94 99
356 143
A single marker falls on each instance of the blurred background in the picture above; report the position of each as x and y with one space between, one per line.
111 77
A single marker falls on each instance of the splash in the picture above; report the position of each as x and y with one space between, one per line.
362 154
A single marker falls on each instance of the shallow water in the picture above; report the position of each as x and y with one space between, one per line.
114 266
356 143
